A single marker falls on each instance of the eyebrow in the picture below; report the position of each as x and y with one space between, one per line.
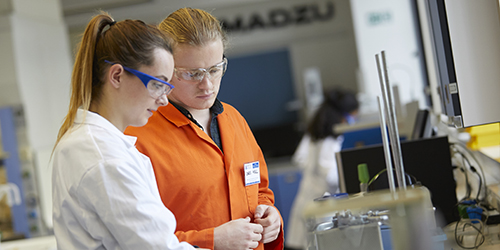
164 78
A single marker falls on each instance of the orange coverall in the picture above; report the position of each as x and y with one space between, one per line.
203 186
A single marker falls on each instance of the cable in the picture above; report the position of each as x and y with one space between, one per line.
468 188
483 182
469 222
480 182
467 185
479 165
415 181
408 176
472 223
374 178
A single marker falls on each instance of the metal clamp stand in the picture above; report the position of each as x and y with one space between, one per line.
389 113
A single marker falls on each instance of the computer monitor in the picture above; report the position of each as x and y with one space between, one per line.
422 127
426 160
464 50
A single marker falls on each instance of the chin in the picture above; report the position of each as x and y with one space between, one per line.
207 104
140 123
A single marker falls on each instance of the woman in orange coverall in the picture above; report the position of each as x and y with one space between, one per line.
210 171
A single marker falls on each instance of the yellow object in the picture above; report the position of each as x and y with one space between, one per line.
484 136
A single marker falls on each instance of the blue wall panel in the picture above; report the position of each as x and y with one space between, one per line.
13 169
260 86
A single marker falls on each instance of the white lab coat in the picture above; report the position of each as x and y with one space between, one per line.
104 192
319 175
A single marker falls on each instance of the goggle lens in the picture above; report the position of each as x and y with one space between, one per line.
197 75
157 89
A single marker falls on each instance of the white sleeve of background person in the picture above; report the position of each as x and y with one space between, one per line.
328 162
301 155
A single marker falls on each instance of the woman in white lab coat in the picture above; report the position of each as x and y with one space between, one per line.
104 191
315 155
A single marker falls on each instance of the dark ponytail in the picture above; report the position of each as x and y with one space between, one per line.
336 105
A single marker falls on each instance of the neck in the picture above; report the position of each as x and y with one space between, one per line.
202 117
103 110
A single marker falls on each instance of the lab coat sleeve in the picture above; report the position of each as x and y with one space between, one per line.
202 238
128 206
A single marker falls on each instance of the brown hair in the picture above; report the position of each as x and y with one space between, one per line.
193 26
129 42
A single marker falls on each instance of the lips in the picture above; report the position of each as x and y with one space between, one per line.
207 96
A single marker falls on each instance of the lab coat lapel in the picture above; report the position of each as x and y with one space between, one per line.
204 136
233 174
227 134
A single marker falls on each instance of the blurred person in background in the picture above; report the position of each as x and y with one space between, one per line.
315 156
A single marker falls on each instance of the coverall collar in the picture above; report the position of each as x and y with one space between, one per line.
216 109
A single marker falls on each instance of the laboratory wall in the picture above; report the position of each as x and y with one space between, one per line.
317 34
391 26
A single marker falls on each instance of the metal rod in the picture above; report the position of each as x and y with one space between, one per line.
393 128
387 118
385 141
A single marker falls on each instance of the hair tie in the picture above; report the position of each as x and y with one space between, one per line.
112 23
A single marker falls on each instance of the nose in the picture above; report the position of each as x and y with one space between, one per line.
205 82
162 100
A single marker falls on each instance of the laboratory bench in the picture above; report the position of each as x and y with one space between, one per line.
491 232
285 180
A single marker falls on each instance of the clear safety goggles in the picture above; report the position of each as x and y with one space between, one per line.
197 75
156 87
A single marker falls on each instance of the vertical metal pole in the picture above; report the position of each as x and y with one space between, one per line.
393 126
385 141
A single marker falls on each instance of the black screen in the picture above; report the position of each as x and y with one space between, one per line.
426 160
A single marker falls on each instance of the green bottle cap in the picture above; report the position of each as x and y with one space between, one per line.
363 175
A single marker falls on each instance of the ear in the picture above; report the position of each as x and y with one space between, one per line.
115 75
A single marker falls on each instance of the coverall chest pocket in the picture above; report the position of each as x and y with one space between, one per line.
252 197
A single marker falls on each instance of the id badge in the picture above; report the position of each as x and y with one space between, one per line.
252 173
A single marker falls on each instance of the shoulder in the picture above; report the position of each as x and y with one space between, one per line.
231 117
116 169
330 144
232 113
74 155
84 145
229 109
332 141
79 140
